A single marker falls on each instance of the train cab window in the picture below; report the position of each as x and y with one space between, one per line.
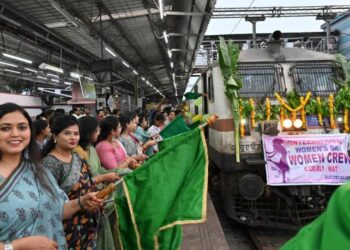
318 77
211 88
261 80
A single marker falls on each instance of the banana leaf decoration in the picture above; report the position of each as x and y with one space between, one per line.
228 59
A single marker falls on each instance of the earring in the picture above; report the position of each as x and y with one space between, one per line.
54 140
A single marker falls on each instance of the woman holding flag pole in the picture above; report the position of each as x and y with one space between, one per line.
28 220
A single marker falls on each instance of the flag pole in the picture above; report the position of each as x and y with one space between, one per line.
103 193
210 121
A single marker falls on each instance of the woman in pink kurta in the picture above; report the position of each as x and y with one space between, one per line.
111 152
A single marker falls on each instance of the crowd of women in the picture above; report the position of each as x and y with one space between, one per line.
51 170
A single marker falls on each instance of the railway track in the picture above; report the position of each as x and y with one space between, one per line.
241 237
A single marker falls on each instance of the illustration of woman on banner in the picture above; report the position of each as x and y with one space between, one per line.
279 150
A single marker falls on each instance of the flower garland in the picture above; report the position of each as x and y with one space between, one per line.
331 111
295 110
319 110
268 109
252 114
302 113
241 124
346 121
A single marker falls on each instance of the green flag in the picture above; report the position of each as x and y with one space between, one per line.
330 230
177 126
168 190
192 95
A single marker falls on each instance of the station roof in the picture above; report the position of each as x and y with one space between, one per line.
71 34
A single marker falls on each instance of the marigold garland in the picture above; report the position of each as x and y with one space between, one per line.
346 121
252 114
295 110
331 111
241 124
302 113
319 110
268 109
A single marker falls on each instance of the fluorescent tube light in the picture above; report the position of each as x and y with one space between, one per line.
88 78
110 52
68 83
169 53
31 70
52 75
17 58
127 65
143 79
8 64
75 75
12 71
165 37
135 72
41 77
45 66
55 80
161 11
171 64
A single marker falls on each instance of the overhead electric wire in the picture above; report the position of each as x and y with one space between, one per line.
234 28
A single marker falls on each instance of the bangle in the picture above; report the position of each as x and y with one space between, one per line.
79 203
8 245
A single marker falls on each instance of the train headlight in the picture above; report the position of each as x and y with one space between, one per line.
243 121
287 123
297 123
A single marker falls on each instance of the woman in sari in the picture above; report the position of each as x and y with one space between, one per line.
110 151
32 205
89 131
134 147
74 177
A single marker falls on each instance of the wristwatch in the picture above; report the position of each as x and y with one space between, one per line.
8 245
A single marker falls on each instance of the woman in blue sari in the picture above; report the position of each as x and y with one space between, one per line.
32 206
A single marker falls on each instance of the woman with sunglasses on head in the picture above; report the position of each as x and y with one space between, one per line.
32 206
74 177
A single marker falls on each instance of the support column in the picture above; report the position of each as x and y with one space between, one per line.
254 20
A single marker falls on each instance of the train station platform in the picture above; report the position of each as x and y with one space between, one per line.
205 236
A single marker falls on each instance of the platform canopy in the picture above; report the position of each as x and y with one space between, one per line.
151 44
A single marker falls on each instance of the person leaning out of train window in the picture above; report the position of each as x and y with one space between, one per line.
32 206
42 132
74 177
111 152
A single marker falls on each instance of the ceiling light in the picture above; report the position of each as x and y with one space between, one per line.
127 65
17 58
110 52
8 64
169 53
68 83
143 79
165 37
41 77
52 75
45 66
161 12
88 78
55 80
172 64
12 71
287 123
135 72
298 123
75 75
63 12
31 70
